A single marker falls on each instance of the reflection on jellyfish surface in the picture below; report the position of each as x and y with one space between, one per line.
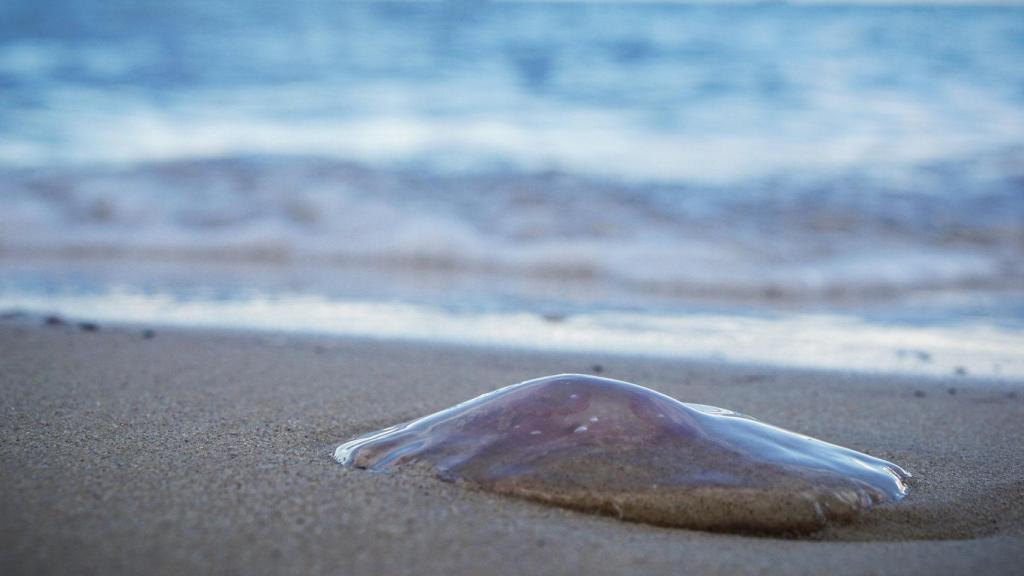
607 446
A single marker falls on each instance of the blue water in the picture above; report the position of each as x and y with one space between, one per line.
662 91
475 156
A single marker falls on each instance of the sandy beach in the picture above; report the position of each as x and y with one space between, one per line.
209 452
236 236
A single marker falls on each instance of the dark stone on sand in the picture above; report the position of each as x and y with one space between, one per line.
960 371
88 326
597 368
919 394
53 321
148 334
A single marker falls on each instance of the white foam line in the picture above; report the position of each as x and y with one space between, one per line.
802 340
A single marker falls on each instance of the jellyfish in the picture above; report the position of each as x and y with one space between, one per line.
610 447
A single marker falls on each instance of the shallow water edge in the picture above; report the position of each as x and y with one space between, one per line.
802 340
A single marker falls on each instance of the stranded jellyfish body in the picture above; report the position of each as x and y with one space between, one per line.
607 446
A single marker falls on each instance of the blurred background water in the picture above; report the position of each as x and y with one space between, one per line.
556 159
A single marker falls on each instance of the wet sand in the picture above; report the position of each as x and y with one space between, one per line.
210 452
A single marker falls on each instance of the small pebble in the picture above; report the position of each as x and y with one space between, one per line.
961 371
54 321
952 391
148 334
597 368
919 393
88 326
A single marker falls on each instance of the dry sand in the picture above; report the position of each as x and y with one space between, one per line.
209 452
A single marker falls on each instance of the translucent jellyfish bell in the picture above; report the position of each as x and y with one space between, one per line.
612 447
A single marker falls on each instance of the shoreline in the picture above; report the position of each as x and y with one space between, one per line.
209 450
877 344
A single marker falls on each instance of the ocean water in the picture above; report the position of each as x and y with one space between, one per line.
861 163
